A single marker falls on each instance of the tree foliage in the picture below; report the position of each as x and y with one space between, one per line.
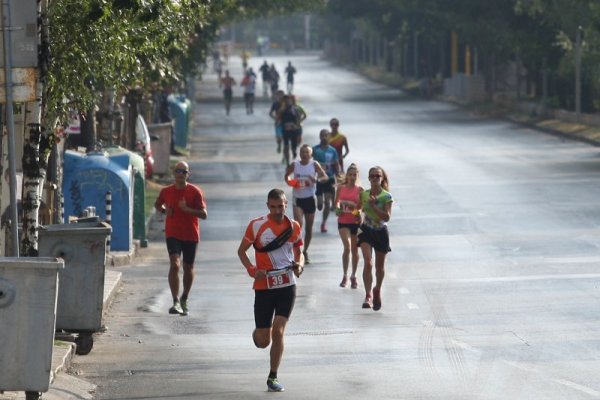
99 44
539 33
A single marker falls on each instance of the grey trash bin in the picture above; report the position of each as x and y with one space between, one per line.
28 293
80 304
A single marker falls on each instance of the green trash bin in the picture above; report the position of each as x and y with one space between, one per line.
181 112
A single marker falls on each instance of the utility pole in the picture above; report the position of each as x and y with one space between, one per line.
578 70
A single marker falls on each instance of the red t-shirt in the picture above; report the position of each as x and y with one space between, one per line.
182 225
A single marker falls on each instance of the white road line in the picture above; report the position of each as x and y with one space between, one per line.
511 278
579 387
412 306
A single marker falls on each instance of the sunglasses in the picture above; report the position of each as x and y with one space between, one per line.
181 171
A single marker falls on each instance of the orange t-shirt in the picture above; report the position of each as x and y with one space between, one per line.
338 141
181 225
262 231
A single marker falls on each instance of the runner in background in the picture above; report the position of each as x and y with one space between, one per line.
307 172
338 141
347 203
376 204
275 113
227 83
249 84
290 71
328 158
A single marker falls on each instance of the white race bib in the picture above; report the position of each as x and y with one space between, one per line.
280 278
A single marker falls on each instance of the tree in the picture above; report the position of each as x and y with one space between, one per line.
89 46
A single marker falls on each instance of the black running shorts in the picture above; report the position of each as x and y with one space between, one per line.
176 246
307 204
270 302
379 239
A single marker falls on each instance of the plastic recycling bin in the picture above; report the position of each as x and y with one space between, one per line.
82 246
28 293
86 180
139 192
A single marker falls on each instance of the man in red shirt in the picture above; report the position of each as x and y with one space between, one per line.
277 241
182 203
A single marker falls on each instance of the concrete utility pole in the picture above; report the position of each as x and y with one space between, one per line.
307 32
578 70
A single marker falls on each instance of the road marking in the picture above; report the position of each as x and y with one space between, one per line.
579 387
511 278
404 290
412 306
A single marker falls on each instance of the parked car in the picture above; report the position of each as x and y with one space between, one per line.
142 145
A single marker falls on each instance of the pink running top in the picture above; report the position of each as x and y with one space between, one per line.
349 199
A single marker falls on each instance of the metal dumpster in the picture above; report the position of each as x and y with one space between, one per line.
28 292
82 246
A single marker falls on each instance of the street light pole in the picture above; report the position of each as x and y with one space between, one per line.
578 70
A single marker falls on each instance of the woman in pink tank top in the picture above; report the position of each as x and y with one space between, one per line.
347 202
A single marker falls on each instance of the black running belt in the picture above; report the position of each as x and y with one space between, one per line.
275 243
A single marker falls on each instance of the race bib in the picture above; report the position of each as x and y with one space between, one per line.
280 278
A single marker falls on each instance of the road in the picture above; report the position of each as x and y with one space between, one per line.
492 287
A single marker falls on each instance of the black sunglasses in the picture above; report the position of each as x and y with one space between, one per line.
181 171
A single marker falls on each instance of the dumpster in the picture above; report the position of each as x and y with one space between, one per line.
139 192
86 180
181 113
82 246
28 292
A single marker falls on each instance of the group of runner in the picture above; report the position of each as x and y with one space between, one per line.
270 80
318 181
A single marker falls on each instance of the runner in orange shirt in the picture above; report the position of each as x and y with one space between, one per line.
277 241
338 141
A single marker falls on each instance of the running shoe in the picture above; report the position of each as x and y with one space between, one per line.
274 385
323 228
184 307
353 282
176 309
368 303
376 299
344 282
306 259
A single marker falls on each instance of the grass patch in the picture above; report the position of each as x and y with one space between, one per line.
151 193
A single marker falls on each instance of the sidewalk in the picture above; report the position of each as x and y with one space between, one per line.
63 352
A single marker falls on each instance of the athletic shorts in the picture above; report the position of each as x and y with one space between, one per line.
379 239
279 130
325 187
307 204
291 138
353 228
228 94
248 96
185 247
270 302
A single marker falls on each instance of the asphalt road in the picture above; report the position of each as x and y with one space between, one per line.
492 286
